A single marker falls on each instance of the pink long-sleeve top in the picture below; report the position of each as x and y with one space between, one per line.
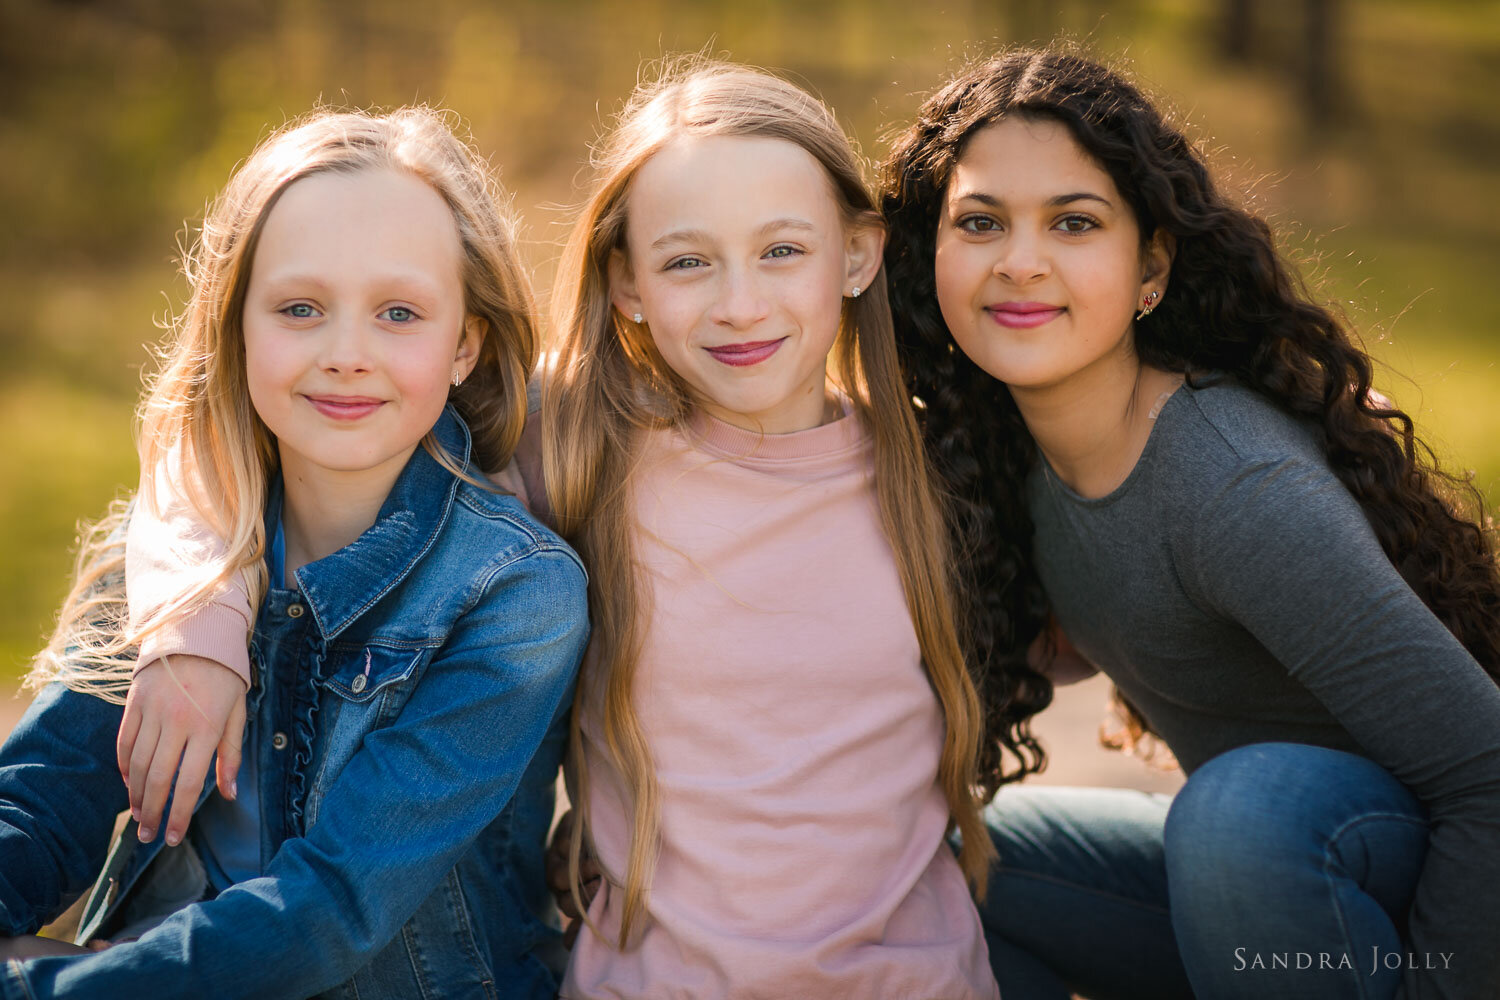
795 738
794 733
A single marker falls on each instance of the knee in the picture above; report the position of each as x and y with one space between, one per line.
1246 807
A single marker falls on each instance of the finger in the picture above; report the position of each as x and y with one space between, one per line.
140 763
228 769
130 728
159 784
189 784
99 944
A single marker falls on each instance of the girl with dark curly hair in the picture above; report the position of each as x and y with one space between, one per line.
1160 442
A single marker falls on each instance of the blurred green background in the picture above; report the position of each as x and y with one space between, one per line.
1368 130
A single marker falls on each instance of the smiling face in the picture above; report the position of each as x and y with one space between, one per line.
1039 260
354 321
738 259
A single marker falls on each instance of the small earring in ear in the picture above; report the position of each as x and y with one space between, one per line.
1148 305
458 378
855 294
637 319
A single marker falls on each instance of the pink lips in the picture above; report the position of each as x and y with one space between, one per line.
743 355
1024 315
345 407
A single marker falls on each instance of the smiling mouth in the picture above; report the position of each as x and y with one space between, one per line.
1024 315
744 355
345 407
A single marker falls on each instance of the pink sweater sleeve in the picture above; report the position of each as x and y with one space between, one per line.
163 548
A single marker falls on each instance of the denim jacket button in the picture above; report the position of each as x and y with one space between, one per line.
279 741
358 684
294 611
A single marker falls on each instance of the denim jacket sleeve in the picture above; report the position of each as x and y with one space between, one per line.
398 817
60 792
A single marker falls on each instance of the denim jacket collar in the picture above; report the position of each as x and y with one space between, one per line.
342 586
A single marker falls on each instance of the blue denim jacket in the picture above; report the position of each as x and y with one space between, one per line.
411 700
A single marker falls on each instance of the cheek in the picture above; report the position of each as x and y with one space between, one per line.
954 276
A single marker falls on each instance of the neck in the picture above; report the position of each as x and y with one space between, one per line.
325 509
1092 426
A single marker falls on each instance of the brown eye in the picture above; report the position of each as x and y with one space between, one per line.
1077 224
978 224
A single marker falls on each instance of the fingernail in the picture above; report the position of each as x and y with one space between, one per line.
135 813
173 838
234 788
146 834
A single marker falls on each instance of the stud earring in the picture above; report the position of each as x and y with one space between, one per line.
637 318
1148 305
458 378
855 294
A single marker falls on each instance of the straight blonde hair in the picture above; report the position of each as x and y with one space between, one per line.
199 439
610 386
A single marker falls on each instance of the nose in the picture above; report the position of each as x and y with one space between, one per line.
346 347
1022 258
741 302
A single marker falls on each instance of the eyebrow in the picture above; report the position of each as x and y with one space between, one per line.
1061 199
700 236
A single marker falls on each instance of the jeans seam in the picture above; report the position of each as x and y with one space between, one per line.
1087 890
1329 880
15 973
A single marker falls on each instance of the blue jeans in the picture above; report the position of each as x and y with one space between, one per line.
1280 870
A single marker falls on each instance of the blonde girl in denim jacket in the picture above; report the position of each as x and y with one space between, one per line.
352 359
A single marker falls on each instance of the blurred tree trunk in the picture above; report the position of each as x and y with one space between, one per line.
1320 74
1238 27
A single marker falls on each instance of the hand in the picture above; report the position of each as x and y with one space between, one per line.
589 875
1065 665
180 710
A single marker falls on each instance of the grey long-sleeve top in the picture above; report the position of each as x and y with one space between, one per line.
1234 591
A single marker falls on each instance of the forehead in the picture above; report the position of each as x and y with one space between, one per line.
360 219
1016 157
725 184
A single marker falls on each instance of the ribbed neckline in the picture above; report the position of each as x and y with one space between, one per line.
824 441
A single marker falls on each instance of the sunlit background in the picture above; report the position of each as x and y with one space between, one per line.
1368 130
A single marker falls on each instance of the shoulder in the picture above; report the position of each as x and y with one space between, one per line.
1228 422
500 526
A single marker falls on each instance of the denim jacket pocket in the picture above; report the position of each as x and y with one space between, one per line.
363 689
359 676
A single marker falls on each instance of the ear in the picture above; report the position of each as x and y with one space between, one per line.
622 291
864 247
1156 263
469 343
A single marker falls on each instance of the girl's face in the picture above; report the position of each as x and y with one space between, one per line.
1039 260
354 320
739 261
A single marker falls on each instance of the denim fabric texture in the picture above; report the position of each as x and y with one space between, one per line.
412 696
1279 870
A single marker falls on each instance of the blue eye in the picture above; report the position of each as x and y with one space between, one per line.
399 314
978 224
300 310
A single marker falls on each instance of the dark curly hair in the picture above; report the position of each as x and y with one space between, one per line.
1237 307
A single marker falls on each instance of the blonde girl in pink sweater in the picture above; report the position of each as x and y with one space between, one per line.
775 729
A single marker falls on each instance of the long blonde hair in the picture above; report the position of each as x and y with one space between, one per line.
610 385
199 439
